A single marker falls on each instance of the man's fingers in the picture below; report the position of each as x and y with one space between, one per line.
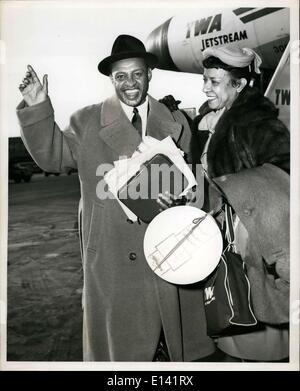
32 72
165 200
45 84
190 196
170 198
28 76
162 205
22 87
26 81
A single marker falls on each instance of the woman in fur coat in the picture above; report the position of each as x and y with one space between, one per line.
236 134
245 148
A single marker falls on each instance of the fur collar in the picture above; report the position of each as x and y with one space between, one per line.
247 135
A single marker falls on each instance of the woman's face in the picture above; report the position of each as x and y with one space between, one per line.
218 88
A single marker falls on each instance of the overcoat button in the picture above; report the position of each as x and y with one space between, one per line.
132 256
129 221
247 212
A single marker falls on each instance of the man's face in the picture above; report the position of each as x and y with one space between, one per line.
130 78
218 88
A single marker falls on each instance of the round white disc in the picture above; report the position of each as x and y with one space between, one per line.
178 249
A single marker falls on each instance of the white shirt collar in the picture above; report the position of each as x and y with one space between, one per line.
143 112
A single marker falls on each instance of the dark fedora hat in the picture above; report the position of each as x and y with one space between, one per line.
126 46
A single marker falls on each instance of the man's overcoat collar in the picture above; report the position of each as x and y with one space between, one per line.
119 134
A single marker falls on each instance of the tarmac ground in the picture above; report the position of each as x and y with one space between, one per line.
44 271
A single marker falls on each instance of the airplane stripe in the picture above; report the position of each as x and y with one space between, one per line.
259 14
158 41
165 45
240 11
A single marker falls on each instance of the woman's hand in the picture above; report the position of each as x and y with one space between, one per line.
170 102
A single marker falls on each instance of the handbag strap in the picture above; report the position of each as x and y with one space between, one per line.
228 212
214 185
229 229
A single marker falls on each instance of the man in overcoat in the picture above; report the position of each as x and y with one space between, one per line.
128 311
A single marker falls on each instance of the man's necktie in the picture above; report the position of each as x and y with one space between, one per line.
137 121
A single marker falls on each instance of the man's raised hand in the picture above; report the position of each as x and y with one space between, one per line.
32 89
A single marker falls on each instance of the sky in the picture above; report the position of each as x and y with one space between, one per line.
66 40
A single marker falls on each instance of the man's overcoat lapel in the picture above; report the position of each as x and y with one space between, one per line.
119 134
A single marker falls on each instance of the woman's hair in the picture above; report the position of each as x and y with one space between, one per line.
235 73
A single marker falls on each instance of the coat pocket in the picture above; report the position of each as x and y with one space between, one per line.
95 226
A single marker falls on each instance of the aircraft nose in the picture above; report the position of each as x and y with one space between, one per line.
157 43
